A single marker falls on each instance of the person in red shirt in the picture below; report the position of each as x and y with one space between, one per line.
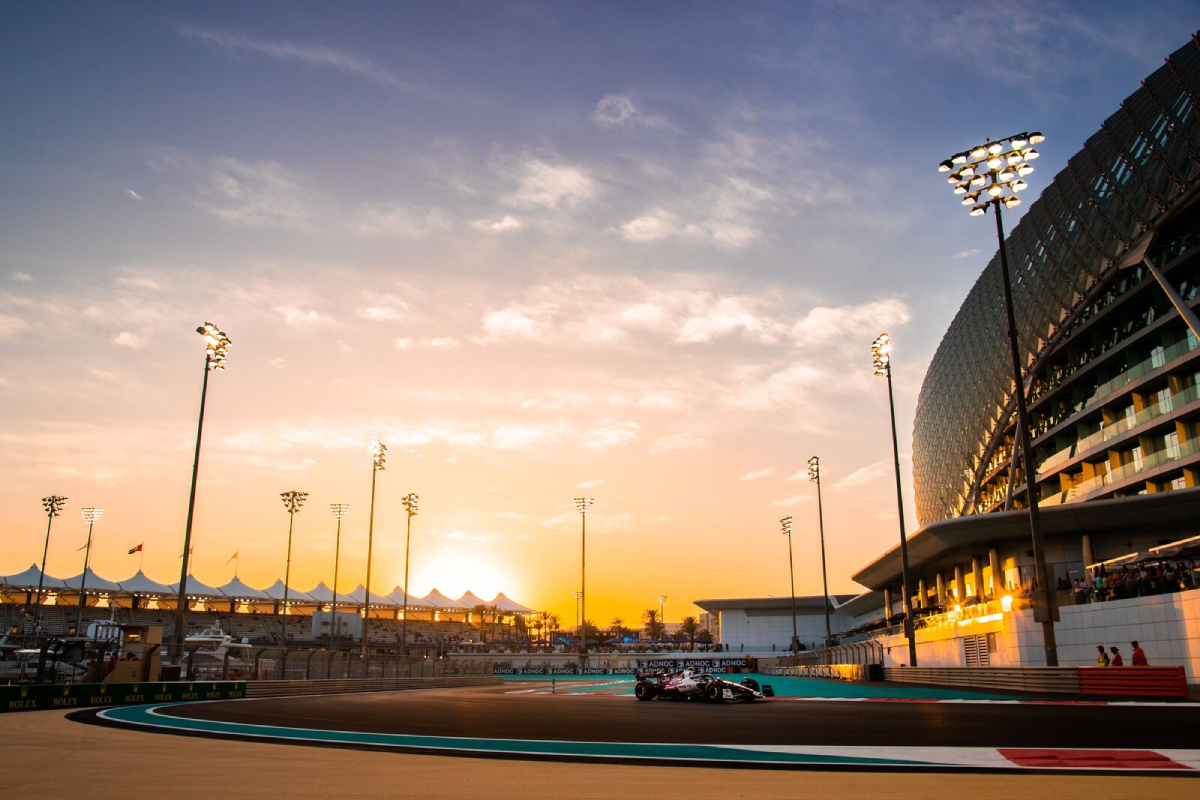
1116 660
1139 656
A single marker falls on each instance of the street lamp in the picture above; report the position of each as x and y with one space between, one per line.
292 501
999 168
340 510
881 360
409 501
52 504
216 350
583 503
814 475
378 459
662 610
785 526
578 596
90 515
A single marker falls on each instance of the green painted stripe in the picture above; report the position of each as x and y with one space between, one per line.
146 716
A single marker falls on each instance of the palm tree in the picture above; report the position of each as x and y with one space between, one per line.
479 616
618 626
555 622
689 627
543 622
654 625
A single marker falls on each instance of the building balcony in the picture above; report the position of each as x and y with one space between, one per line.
1136 469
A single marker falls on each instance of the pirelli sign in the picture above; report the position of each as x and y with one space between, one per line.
86 695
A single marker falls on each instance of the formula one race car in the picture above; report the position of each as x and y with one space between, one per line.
689 685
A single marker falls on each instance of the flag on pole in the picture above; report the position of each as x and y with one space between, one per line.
84 545
234 556
137 549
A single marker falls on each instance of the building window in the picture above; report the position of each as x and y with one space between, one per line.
1157 357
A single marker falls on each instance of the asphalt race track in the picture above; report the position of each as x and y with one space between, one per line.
781 732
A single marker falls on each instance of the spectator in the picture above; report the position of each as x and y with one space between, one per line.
1116 661
1139 656
1102 659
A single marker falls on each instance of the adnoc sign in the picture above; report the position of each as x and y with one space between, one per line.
83 695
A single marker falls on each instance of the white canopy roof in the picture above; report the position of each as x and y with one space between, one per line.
470 600
439 600
275 592
29 579
359 594
505 604
197 589
236 588
140 584
323 594
94 583
397 597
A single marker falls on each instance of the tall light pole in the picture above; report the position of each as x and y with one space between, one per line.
881 357
814 475
90 515
52 504
578 596
216 350
662 610
410 505
583 503
292 501
785 527
340 510
378 459
995 170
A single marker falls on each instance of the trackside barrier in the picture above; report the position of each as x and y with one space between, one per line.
338 686
82 695
1054 680
845 672
1134 681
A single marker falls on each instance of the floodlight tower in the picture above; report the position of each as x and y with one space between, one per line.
90 515
662 610
339 510
53 505
814 475
881 361
292 501
216 350
583 503
995 170
409 502
785 527
378 460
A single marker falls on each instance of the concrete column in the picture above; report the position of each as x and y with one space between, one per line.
941 588
887 602
1089 556
977 570
923 599
998 589
960 584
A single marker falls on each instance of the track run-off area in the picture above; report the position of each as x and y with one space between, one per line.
810 724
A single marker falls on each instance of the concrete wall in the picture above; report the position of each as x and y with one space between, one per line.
758 631
1167 627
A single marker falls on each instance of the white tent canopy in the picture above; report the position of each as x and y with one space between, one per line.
275 592
512 606
140 584
440 601
29 579
397 597
359 597
236 588
323 594
197 589
470 600
94 583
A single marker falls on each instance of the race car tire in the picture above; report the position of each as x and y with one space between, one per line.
644 691
713 693
750 683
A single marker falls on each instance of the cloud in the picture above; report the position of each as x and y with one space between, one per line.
11 326
784 387
316 56
261 194
794 500
515 322
440 343
131 194
278 362
129 339
404 343
865 475
653 226
595 483
617 110
678 441
974 251
550 185
450 460
22 277
825 324
299 318
610 435
378 313
505 225
727 315
758 474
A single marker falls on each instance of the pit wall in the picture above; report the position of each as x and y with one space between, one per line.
1166 626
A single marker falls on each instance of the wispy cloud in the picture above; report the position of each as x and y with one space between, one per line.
540 183
758 474
678 441
592 484
865 475
132 195
129 339
974 251
312 55
618 110
22 277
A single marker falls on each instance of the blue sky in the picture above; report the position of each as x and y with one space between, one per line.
637 247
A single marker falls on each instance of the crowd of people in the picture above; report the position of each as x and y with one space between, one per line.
1136 580
1138 658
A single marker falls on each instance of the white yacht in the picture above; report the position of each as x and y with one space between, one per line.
215 643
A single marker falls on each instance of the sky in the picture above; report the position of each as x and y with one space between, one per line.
635 252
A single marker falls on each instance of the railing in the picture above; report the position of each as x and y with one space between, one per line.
1149 461
864 652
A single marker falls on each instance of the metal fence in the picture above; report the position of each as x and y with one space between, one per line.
865 653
